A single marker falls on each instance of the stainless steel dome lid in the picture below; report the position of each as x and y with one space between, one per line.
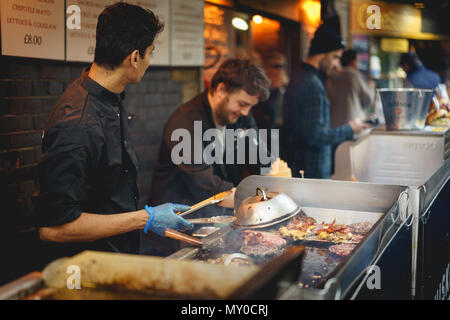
265 209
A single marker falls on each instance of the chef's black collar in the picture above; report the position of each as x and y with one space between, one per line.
96 89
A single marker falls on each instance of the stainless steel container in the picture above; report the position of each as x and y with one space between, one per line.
264 210
405 108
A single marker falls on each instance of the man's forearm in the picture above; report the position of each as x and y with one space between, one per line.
91 227
325 135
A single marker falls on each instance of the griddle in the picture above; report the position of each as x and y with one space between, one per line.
318 263
323 275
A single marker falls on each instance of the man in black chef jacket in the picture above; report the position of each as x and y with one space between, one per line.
235 88
87 174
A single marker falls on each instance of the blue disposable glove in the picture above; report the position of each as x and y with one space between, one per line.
164 216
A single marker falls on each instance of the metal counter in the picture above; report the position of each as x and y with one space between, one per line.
419 161
321 198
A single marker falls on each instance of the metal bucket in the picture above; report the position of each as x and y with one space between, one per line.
406 108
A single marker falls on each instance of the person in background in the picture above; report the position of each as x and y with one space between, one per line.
348 91
87 174
268 114
417 75
306 111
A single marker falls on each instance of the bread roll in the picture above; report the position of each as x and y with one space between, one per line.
441 113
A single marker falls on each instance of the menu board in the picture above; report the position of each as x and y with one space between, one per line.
187 41
36 29
33 28
81 28
161 54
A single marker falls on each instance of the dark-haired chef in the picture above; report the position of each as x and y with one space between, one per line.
87 174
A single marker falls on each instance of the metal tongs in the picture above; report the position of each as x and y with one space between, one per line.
170 233
213 200
203 244
213 220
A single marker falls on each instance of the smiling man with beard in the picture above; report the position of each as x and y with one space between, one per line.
235 88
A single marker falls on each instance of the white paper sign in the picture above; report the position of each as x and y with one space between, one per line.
33 28
187 26
81 28
161 55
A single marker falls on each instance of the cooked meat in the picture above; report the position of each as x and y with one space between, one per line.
262 238
301 223
298 228
293 233
342 249
258 243
357 238
307 228
361 227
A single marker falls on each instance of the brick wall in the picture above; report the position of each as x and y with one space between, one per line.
152 101
29 89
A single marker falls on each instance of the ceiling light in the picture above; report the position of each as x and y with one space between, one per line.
239 23
257 19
